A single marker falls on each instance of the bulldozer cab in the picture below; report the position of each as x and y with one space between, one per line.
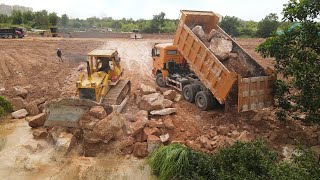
102 60
166 59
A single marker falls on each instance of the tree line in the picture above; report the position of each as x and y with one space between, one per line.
158 24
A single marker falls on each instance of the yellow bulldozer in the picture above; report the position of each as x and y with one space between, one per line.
102 85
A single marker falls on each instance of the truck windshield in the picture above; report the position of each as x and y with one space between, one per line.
156 52
171 52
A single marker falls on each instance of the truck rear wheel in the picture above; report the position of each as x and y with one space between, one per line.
203 100
189 92
160 81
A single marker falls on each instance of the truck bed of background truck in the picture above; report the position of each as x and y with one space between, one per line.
253 92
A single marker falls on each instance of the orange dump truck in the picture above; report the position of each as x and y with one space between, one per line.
221 79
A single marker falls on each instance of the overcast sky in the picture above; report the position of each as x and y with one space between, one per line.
144 9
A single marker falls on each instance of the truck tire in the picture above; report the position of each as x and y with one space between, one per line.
189 92
160 81
203 100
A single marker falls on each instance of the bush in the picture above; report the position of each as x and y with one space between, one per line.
5 106
241 161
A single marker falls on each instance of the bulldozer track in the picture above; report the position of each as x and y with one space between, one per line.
118 93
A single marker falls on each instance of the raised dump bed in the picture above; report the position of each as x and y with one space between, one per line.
253 85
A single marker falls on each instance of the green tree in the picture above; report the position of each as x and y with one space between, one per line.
16 17
41 19
297 56
4 18
64 20
157 22
267 25
27 17
231 25
248 28
53 19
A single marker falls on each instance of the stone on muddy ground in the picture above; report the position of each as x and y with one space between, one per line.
65 142
244 136
98 112
145 89
142 115
88 122
40 100
151 102
164 138
155 123
140 149
164 112
19 91
153 142
178 97
18 103
22 113
37 120
168 123
2 90
170 94
136 127
221 47
56 131
151 131
198 31
81 67
32 108
223 130
107 128
167 103
40 133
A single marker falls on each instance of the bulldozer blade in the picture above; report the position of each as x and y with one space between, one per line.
67 112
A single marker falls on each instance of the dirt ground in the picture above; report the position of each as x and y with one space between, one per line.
32 63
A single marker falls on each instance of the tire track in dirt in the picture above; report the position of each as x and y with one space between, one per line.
21 60
5 68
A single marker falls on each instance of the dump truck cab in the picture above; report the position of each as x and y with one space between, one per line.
166 60
54 31
103 71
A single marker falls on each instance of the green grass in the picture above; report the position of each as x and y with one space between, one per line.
5 106
254 160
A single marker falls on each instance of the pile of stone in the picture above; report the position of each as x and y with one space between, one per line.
218 43
22 108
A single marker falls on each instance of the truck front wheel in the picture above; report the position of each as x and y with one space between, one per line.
160 80
203 100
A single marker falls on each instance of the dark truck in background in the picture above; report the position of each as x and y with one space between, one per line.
12 32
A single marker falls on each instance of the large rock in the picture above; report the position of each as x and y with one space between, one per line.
168 123
164 138
164 112
136 127
221 47
198 31
223 130
19 91
22 113
18 103
167 103
142 115
140 149
154 123
145 90
244 136
56 131
65 142
170 94
32 108
88 122
153 142
107 128
98 112
151 102
216 34
40 133
37 120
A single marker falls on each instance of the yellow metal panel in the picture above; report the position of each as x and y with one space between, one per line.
255 92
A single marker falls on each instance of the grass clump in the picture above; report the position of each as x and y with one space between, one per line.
5 106
252 160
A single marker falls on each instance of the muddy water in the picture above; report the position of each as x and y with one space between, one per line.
22 157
